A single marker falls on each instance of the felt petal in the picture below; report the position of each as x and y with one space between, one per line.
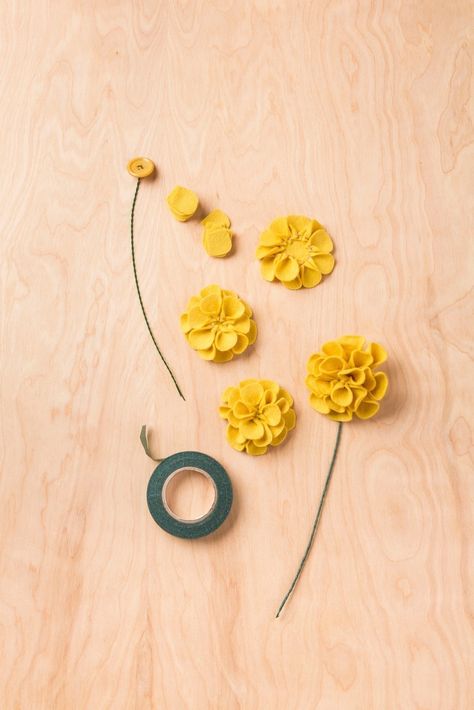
324 262
252 334
201 338
279 226
213 289
184 323
271 388
352 342
286 395
211 305
287 269
301 225
232 307
359 394
251 429
311 277
319 404
234 435
367 409
280 438
254 450
340 416
232 419
263 251
341 395
198 319
355 375
241 344
331 365
216 218
369 380
223 356
208 353
293 285
267 268
276 430
322 241
252 394
272 414
225 340
283 405
242 325
378 353
241 410
231 396
317 385
290 419
270 239
361 358
381 386
224 411
266 438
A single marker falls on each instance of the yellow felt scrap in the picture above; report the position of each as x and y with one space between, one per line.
183 203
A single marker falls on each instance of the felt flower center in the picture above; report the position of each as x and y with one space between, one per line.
298 249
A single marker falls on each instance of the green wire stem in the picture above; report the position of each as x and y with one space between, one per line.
315 524
132 242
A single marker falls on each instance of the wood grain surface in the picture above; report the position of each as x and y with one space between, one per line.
356 113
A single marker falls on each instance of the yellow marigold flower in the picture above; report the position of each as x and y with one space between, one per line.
217 236
260 414
296 251
183 203
218 324
342 380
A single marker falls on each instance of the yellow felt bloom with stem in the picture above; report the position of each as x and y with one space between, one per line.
259 413
218 324
343 381
295 250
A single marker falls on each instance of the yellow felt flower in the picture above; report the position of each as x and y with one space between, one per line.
296 251
183 203
217 236
218 324
260 414
342 378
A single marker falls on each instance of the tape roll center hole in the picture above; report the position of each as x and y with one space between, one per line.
189 494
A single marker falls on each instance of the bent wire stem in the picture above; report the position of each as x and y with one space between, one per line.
316 522
132 243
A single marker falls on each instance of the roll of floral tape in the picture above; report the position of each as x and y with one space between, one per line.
158 505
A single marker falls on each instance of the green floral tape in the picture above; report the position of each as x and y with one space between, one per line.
156 494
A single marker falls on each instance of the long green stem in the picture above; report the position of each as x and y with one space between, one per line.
316 522
132 242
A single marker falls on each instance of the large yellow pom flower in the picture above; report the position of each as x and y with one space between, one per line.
260 414
218 324
296 251
342 380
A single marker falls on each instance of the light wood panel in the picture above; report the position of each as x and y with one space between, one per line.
357 113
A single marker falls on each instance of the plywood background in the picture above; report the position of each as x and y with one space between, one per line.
356 113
